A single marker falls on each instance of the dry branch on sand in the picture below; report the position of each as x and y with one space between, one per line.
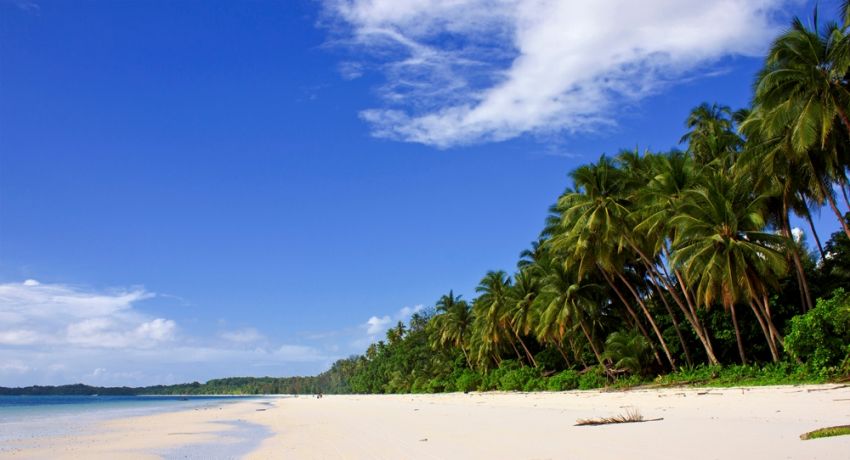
630 416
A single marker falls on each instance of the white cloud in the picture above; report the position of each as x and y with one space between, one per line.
798 234
56 333
36 314
467 71
246 335
377 325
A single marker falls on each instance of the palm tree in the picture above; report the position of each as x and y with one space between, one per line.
520 310
786 178
452 323
712 138
597 223
672 175
803 91
722 250
566 305
491 307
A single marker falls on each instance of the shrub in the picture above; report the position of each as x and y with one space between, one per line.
535 384
566 380
516 379
593 378
468 381
627 350
821 337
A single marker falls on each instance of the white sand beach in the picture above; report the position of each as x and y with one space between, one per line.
751 423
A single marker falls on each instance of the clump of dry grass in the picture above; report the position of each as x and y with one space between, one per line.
631 415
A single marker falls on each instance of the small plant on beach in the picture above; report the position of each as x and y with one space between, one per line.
842 430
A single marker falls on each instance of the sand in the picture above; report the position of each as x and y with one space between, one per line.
751 423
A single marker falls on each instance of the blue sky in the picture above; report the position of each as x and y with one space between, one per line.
192 189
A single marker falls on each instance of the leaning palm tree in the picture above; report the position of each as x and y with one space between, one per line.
567 305
597 223
520 311
803 91
766 164
722 249
673 174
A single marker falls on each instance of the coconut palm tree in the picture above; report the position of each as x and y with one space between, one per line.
597 230
491 308
452 323
712 138
520 310
803 91
723 251
567 305
673 174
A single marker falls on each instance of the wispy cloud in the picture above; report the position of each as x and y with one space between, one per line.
57 333
32 313
469 71
246 335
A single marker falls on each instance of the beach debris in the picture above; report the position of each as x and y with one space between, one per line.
631 415
840 430
423 440
827 389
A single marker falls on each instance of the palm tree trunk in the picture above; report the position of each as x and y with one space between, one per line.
589 338
776 335
808 216
738 335
651 320
577 353
622 298
564 355
466 355
833 206
795 255
527 353
674 320
516 350
690 312
767 334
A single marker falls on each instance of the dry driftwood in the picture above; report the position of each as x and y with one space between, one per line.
630 416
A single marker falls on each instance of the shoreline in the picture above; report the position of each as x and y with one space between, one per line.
696 422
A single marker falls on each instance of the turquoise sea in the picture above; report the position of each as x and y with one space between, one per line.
28 417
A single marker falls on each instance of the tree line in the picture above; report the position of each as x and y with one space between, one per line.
654 262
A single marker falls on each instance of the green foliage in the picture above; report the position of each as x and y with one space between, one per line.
467 380
627 350
524 378
563 381
593 378
821 337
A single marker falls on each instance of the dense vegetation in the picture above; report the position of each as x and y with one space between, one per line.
680 264
663 267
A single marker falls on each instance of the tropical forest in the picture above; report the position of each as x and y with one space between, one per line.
668 267
695 265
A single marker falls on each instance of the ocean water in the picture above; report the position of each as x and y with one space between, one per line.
30 417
